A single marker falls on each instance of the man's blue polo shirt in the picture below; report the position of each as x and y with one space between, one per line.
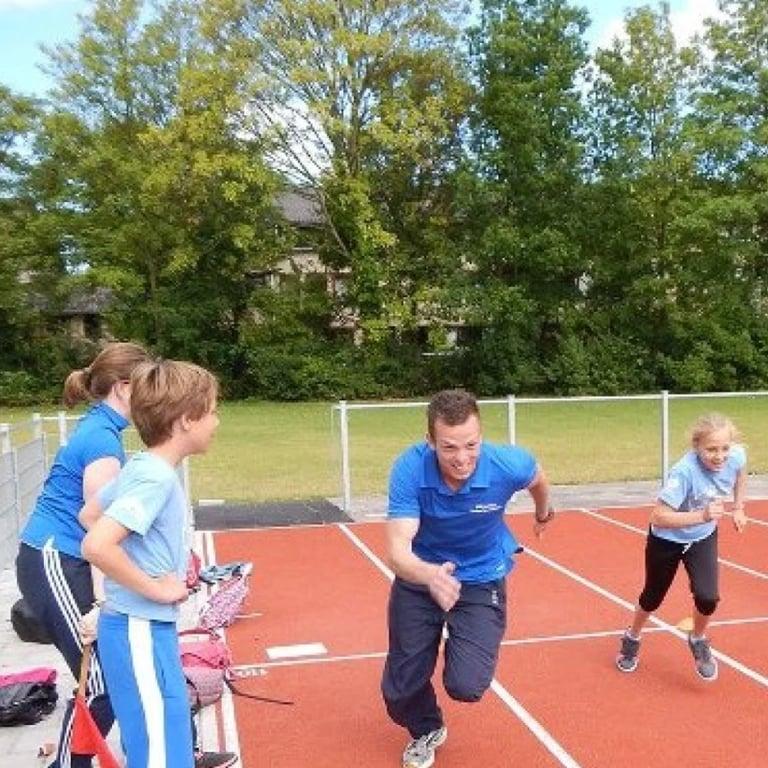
465 527
97 436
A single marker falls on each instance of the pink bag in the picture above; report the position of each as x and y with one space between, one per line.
205 662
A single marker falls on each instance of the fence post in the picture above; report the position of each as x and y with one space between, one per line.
187 493
62 428
16 489
664 435
511 420
346 483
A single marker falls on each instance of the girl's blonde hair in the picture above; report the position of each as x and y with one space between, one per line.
162 391
94 382
712 422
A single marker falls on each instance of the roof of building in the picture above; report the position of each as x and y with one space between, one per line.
300 207
91 301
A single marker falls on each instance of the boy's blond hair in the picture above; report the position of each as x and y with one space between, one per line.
165 390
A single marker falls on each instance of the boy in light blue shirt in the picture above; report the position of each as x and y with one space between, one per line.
139 544
684 529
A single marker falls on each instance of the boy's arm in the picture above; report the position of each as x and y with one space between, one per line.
101 547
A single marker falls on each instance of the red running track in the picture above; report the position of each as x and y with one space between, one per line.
557 700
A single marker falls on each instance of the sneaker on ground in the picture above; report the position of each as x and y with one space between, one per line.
420 753
215 759
706 664
628 659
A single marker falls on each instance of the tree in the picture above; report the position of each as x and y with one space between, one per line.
365 101
175 205
527 57
19 118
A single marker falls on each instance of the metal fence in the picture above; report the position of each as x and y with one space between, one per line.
27 449
656 422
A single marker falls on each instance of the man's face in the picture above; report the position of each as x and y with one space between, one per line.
457 449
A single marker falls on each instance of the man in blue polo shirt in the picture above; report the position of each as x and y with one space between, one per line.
450 550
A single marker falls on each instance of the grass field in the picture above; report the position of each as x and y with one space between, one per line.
266 451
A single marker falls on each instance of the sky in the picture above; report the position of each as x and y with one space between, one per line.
25 24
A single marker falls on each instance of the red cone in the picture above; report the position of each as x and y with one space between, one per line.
86 736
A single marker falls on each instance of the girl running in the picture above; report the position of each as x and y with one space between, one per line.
684 529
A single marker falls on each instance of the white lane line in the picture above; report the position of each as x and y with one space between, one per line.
241 670
375 559
246 670
727 660
730 563
278 652
538 730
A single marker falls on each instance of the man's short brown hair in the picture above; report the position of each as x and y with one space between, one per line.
452 407
165 390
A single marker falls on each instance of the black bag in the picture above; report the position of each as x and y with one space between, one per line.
26 624
23 702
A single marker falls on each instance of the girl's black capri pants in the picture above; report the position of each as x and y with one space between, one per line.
662 558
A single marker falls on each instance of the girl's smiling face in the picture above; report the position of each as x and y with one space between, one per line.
713 448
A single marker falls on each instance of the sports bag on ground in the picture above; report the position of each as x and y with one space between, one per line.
26 624
207 661
224 605
27 696
204 658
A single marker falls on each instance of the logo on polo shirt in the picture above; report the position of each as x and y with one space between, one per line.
486 508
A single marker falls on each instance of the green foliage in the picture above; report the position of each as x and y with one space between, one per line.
585 225
19 388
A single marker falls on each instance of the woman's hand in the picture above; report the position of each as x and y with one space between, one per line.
88 625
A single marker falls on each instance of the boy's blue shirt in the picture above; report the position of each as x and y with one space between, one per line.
465 527
54 518
690 485
147 498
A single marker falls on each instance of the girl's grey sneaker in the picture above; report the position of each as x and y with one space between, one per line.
628 658
420 753
706 664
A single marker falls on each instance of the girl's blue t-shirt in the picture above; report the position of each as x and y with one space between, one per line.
690 485
54 517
